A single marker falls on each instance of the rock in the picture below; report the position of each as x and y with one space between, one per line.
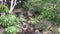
37 32
47 32
44 22
1 30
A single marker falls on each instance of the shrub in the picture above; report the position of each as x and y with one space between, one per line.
33 22
43 27
9 20
4 9
48 14
11 30
32 5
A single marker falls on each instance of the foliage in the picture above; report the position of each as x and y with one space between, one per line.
9 20
34 5
22 19
4 9
58 30
43 27
11 30
33 22
48 14
56 22
45 9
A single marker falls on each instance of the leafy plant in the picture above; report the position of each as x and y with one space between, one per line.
9 20
58 30
34 5
48 14
4 9
11 30
22 19
33 22
43 26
